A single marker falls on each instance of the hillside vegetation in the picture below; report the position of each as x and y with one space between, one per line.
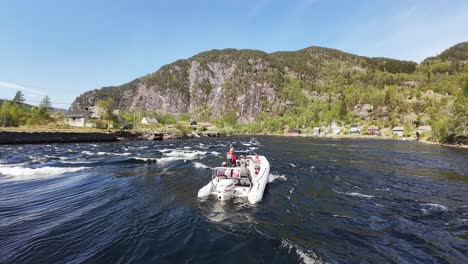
255 92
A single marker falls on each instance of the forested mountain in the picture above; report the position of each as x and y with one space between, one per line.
304 88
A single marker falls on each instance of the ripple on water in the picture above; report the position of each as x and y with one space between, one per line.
347 201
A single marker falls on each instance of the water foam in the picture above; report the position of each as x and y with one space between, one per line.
200 165
168 159
18 173
437 206
306 256
145 159
185 155
356 194
274 177
89 153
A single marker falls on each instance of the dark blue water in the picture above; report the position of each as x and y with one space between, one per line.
338 201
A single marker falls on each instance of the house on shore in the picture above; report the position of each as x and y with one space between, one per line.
78 118
398 131
316 131
373 130
355 129
149 121
294 132
194 124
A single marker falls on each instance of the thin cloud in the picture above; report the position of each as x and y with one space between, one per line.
426 36
11 85
28 91
413 33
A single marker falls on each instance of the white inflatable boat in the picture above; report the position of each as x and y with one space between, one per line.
247 180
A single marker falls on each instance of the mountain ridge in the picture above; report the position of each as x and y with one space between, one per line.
248 85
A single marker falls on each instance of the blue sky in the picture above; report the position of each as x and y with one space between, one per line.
63 48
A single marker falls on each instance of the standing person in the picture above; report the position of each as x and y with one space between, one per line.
231 157
256 162
256 158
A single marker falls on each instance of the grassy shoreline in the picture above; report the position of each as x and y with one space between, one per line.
114 131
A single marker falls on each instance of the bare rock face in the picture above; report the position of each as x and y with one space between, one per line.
363 111
227 82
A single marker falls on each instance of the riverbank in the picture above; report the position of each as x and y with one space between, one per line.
72 136
357 136
10 137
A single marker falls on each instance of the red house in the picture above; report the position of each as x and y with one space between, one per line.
373 130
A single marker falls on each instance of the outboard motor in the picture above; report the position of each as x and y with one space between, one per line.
225 189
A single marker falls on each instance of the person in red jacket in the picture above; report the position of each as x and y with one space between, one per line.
231 157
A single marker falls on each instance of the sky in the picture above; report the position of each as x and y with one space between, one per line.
63 48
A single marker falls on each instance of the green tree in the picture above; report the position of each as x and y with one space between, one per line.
343 110
388 98
12 114
19 97
46 102
106 111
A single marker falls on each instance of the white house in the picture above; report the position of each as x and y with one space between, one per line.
355 129
77 118
316 131
149 120
398 131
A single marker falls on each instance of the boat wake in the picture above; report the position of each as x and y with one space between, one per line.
274 177
356 194
306 256
200 165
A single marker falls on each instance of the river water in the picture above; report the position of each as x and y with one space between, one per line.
331 200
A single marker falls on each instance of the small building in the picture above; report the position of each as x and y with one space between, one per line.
373 130
355 129
149 121
194 124
398 131
424 129
315 131
77 118
294 132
